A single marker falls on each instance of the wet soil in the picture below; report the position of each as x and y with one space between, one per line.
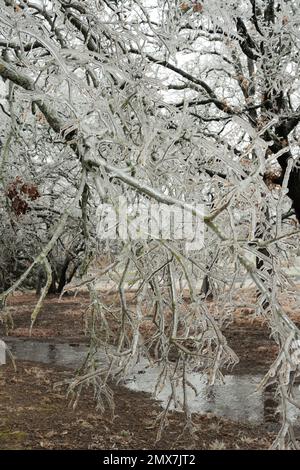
33 415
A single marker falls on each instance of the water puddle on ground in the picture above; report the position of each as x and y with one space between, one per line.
237 398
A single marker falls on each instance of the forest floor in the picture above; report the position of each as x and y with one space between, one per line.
35 415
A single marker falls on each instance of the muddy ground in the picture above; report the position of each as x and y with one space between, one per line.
64 319
34 415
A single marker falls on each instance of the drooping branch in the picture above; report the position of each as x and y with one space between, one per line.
10 72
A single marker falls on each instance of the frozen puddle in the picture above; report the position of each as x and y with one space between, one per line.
236 399
61 354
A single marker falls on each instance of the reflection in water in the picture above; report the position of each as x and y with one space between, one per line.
48 353
236 399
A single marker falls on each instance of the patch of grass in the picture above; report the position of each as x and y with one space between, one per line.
47 408
13 437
